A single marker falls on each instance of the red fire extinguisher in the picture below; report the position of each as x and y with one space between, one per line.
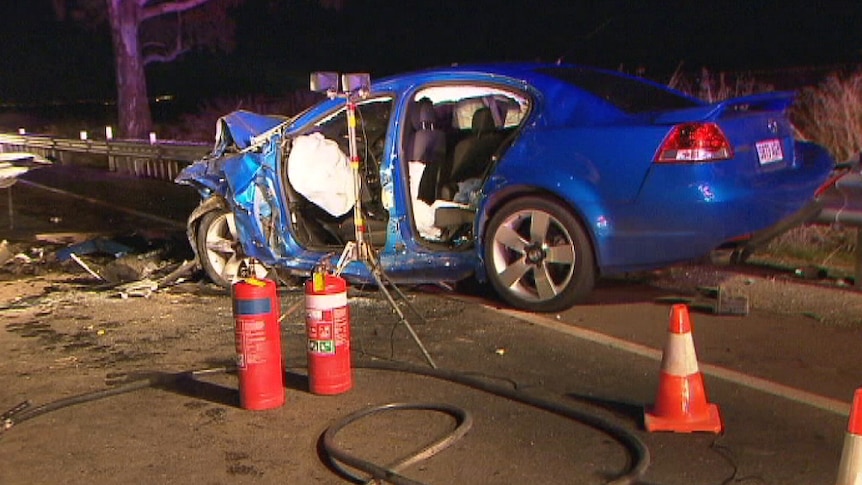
258 344
327 323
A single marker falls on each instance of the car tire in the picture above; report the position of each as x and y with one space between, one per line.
219 249
538 256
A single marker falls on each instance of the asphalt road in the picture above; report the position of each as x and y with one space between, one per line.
783 385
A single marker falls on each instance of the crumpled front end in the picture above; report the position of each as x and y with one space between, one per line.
237 132
239 176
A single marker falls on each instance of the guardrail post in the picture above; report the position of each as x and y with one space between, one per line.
857 274
112 161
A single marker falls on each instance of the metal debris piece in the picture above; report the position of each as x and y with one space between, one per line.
717 300
186 268
66 237
729 304
82 264
97 245
143 288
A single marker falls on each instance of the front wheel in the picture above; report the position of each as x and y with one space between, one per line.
219 249
537 256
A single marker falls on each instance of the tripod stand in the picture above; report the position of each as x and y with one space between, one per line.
360 249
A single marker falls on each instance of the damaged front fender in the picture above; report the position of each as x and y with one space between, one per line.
240 176
237 134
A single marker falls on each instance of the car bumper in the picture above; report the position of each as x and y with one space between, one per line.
710 205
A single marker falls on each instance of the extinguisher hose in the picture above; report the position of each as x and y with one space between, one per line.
638 451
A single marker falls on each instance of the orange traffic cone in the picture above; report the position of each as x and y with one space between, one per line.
850 467
681 403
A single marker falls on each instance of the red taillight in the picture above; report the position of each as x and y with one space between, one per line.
695 142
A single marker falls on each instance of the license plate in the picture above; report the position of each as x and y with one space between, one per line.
769 151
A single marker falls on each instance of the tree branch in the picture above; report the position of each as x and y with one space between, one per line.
169 7
170 56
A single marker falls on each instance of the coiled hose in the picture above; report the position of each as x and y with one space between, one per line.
390 473
639 453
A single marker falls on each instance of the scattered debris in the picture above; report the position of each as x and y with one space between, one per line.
132 268
98 245
66 237
717 300
143 288
729 304
183 269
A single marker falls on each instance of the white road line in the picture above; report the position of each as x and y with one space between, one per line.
757 383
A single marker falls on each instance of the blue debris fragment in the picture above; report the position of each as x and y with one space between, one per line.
99 245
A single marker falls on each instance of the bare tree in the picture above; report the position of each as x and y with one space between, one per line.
149 31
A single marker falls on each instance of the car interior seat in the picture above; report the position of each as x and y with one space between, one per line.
472 155
428 145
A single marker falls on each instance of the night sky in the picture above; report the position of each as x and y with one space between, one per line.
281 41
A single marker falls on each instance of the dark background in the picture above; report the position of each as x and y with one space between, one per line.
279 42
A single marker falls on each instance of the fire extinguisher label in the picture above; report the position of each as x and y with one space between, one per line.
325 347
321 331
251 343
254 306
327 330
341 329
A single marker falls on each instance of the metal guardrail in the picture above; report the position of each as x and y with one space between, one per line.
141 158
842 205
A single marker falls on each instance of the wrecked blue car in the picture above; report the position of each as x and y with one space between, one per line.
536 179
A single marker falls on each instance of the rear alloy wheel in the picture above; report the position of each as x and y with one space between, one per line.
219 249
538 256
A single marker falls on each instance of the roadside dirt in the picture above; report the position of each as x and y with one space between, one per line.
779 290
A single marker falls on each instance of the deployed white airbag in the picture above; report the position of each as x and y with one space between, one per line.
320 171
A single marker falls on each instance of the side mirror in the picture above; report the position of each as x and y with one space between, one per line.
353 82
324 82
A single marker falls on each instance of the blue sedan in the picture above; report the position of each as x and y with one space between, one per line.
534 178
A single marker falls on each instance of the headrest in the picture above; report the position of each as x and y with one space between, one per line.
424 117
483 121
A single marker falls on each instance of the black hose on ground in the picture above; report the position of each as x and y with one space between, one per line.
639 453
149 380
389 473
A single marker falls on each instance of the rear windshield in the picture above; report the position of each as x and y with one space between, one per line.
628 94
